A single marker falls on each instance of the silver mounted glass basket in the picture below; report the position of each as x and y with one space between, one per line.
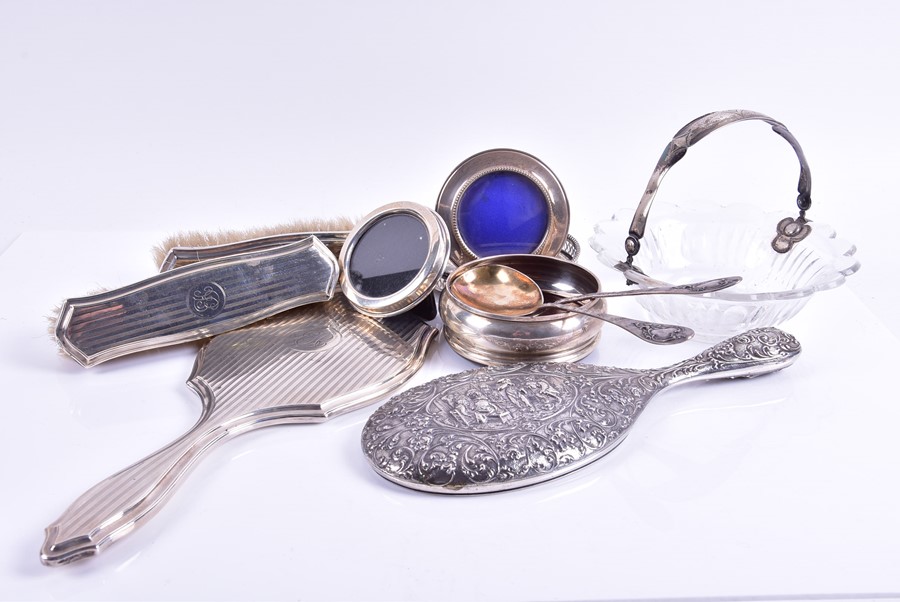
782 260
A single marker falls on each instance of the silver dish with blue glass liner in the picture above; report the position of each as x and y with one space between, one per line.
505 201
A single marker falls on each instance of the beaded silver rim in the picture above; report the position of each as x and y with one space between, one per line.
492 161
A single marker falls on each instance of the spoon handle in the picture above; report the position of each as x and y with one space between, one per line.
658 334
694 288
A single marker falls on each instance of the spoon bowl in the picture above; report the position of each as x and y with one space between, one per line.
498 289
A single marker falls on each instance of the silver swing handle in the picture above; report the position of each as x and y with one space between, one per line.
789 230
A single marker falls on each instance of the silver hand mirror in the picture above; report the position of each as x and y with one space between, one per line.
289 369
499 428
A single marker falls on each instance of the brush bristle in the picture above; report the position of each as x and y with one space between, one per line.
197 238
53 319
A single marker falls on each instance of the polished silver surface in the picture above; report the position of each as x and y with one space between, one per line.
178 257
493 429
789 230
556 238
492 339
196 301
429 276
302 366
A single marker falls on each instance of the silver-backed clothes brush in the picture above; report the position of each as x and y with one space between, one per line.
247 275
241 280
196 301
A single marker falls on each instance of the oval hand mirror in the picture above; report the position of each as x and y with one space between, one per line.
498 428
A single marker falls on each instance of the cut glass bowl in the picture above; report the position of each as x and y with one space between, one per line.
699 241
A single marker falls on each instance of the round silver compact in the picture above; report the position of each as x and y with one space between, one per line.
394 258
502 202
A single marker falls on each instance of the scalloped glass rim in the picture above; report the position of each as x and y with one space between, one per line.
609 237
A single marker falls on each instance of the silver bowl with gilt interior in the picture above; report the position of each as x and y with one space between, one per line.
554 335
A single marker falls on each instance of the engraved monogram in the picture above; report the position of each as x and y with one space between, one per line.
206 300
503 427
316 336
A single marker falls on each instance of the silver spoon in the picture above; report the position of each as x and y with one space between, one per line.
506 291
503 290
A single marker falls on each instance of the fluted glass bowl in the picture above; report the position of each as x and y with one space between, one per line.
687 243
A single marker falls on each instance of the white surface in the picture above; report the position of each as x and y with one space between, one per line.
121 122
782 485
